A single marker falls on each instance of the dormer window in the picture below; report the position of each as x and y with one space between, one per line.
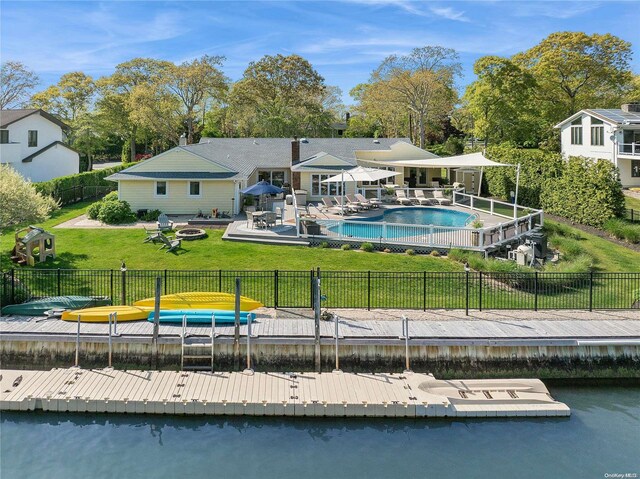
576 132
597 132
32 138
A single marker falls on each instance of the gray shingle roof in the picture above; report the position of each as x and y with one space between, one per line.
7 117
244 155
173 175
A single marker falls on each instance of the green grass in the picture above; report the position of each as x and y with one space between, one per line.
633 203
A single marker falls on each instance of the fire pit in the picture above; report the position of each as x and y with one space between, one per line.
189 234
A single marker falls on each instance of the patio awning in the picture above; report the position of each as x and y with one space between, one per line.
361 173
471 160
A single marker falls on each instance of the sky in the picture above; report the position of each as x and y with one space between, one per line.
344 40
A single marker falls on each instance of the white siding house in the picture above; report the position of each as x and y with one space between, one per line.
31 142
611 134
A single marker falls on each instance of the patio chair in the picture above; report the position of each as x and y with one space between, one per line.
352 201
164 223
171 244
402 198
330 207
280 214
439 197
422 199
373 202
153 235
345 205
269 219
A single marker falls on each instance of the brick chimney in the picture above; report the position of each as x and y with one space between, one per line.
295 159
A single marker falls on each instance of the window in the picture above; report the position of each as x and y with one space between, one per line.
4 136
194 188
635 168
161 188
597 132
324 189
33 138
576 132
276 178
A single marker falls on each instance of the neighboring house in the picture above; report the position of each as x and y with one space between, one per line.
612 135
31 141
211 174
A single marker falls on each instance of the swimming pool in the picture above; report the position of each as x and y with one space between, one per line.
399 223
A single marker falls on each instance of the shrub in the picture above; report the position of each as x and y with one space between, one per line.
588 192
435 253
453 146
410 252
113 196
623 230
367 247
324 244
151 215
116 212
94 210
345 247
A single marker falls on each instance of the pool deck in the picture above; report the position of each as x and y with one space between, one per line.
248 393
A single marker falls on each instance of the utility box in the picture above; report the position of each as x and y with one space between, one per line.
538 242
524 255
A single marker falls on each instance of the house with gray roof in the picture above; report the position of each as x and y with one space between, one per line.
210 174
32 142
610 134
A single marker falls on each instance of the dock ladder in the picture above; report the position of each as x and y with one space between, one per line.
192 348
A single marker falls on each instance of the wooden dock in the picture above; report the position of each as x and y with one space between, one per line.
247 393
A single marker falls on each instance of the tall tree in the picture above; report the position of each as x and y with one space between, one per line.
500 99
70 97
575 71
423 82
195 82
115 105
16 83
281 91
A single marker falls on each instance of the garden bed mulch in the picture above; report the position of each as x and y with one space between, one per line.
594 231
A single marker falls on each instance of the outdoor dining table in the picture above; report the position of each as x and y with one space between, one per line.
258 218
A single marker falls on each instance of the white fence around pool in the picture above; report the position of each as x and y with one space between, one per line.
521 220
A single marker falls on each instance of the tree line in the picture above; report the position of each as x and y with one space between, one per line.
146 105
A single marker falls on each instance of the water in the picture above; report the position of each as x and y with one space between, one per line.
602 437
372 228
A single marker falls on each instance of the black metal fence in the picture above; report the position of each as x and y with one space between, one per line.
632 215
77 194
344 289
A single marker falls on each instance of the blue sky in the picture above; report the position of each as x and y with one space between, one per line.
344 41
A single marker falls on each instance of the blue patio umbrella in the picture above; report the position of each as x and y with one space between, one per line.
261 188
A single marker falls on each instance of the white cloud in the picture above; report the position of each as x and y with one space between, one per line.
450 14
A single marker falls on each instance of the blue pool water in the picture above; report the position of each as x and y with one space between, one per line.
373 228
601 437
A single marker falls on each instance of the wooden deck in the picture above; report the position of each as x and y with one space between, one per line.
611 328
272 394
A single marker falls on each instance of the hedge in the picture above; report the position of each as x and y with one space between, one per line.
90 178
535 167
587 192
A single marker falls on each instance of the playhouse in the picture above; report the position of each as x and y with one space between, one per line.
33 244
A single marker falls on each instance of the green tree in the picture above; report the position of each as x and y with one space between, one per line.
21 204
422 83
277 96
574 70
16 83
70 97
500 100
194 83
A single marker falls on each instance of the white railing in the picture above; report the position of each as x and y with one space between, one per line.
432 236
629 149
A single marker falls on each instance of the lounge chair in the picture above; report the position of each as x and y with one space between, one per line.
153 236
373 202
164 223
352 208
171 244
439 197
330 207
422 199
352 201
402 198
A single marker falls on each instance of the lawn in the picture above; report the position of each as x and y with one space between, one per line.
632 203
106 248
